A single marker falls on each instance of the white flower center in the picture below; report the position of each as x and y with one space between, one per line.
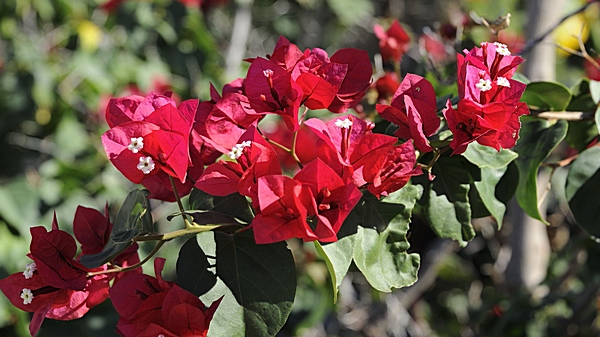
27 296
343 124
268 73
484 85
146 165
136 144
29 269
502 49
238 149
503 82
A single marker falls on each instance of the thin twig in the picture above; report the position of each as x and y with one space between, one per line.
565 115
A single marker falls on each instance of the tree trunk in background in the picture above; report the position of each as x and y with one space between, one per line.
541 61
528 240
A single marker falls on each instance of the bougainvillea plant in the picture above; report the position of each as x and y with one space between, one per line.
348 182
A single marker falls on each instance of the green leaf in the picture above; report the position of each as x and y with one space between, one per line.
259 283
486 187
485 156
538 139
193 272
234 204
338 255
547 95
581 191
595 91
134 217
381 246
445 199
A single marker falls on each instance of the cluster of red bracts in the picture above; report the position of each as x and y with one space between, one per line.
57 286
154 142
489 109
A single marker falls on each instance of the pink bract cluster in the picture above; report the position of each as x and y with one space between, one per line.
489 109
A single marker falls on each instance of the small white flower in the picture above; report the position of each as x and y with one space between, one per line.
484 85
29 269
238 149
503 82
146 165
27 296
502 49
268 73
136 144
343 124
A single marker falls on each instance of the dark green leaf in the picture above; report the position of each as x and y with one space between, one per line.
193 272
381 245
583 184
580 134
538 139
110 251
485 156
260 283
445 199
547 95
134 217
234 204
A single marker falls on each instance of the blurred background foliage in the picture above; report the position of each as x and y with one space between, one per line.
61 60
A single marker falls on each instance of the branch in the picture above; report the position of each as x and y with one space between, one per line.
531 43
566 115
